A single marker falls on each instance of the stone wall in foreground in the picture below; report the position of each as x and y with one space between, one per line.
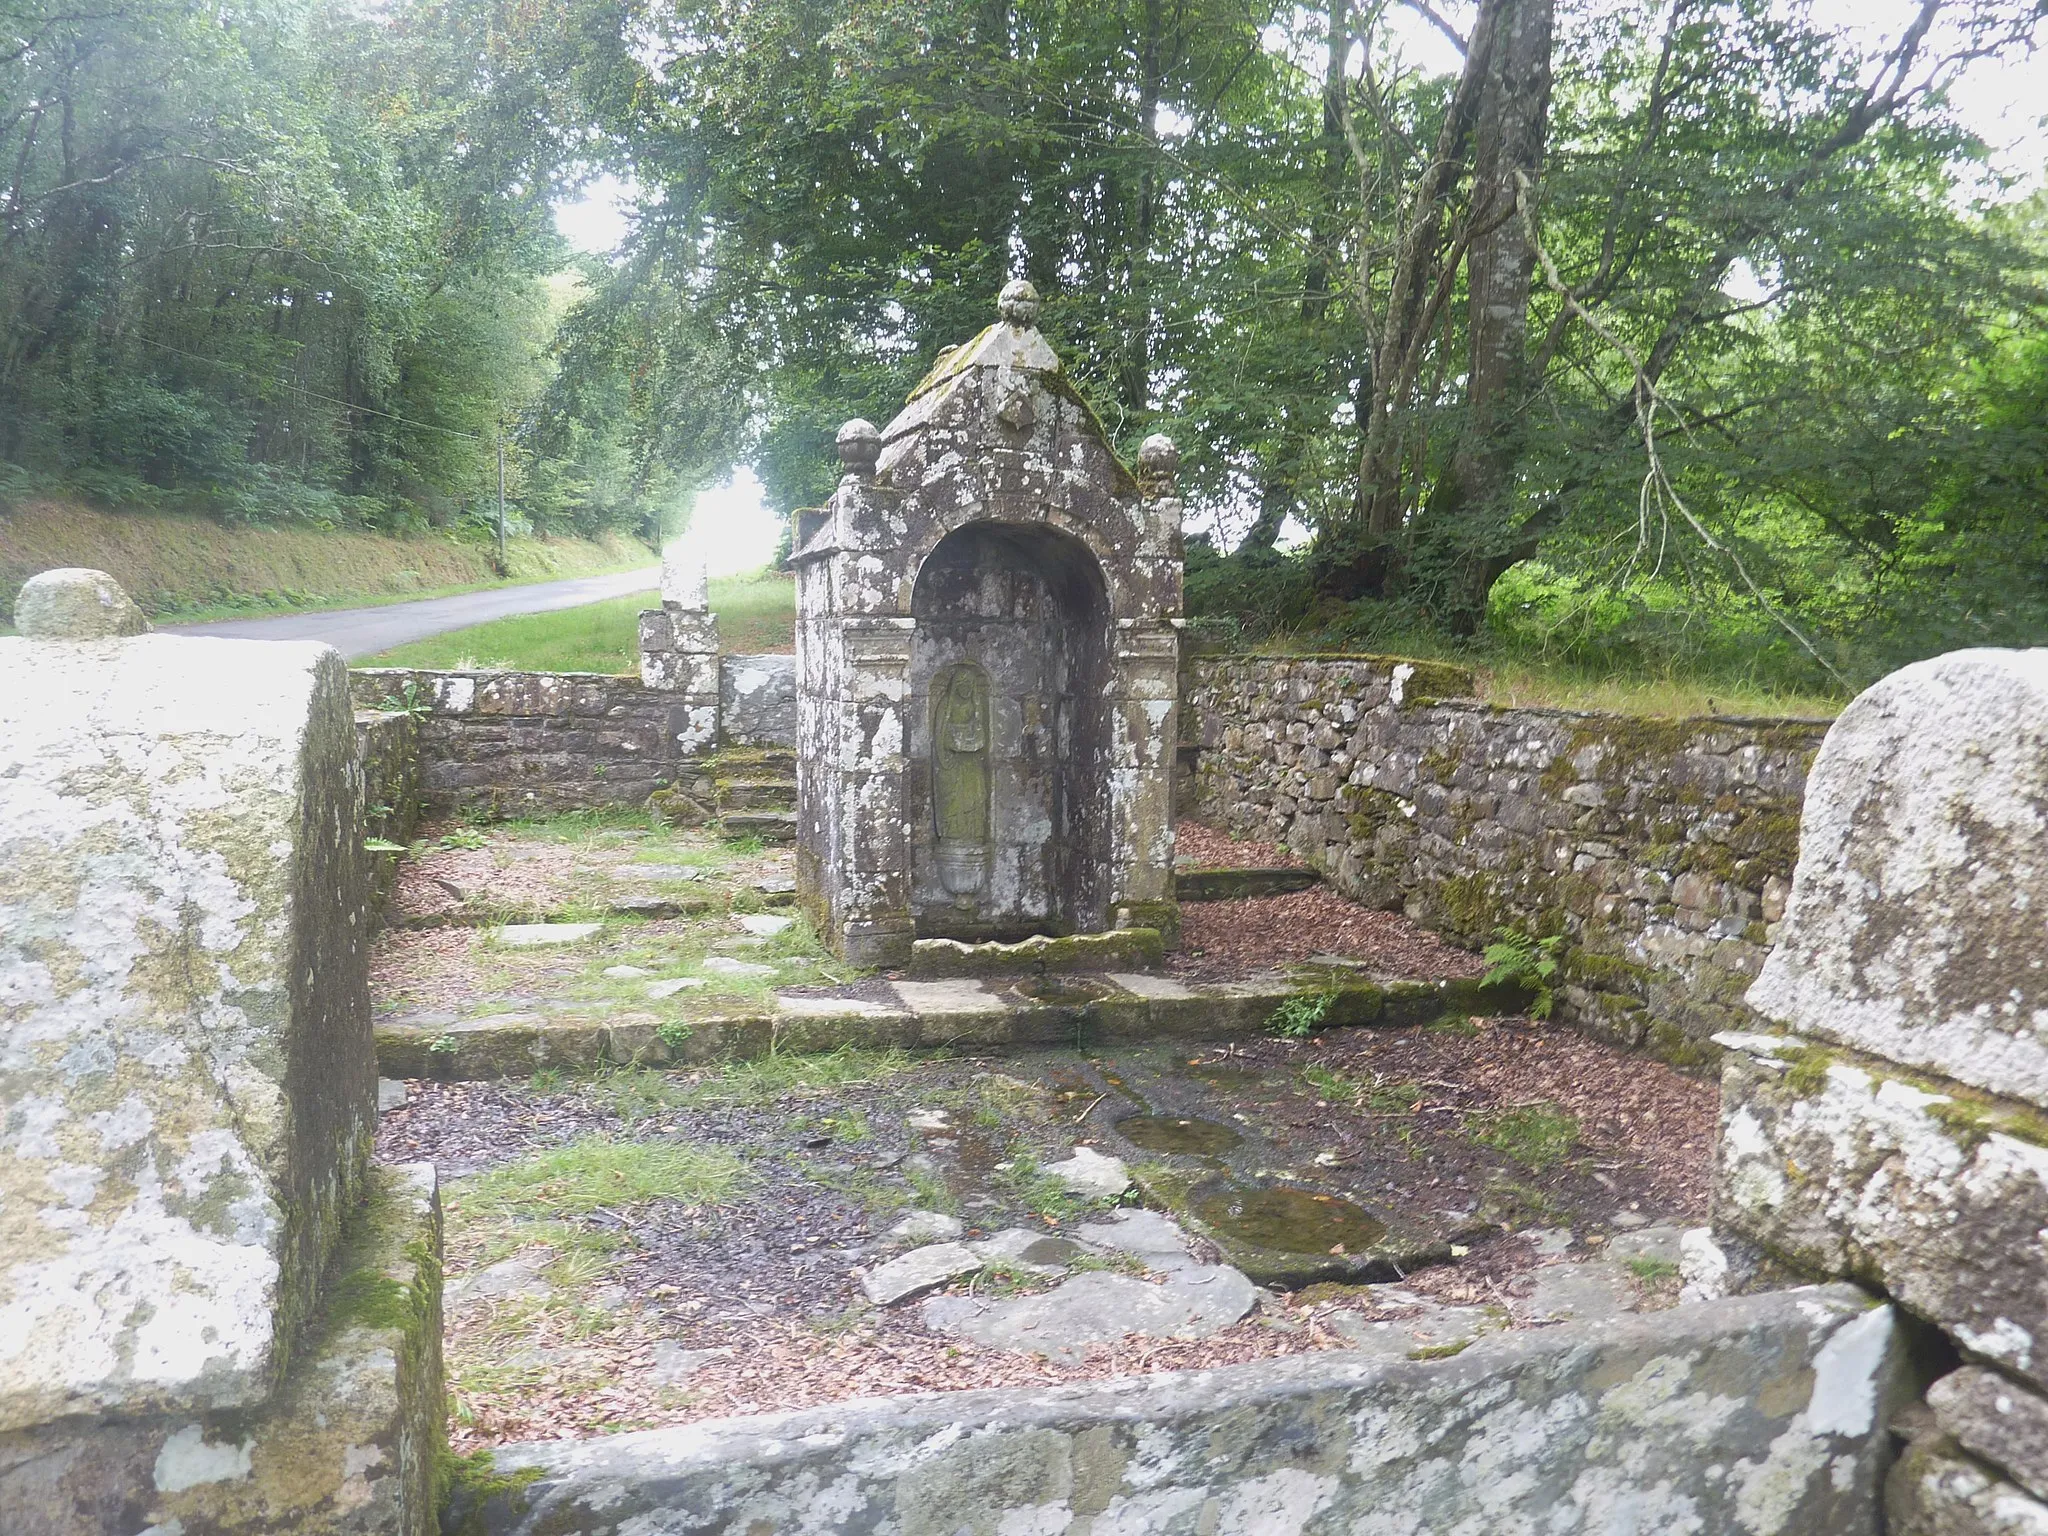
537 743
1763 1415
1892 1125
1662 849
218 1317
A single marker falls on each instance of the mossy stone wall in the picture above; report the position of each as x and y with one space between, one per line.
1662 849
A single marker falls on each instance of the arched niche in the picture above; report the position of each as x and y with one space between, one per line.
1006 757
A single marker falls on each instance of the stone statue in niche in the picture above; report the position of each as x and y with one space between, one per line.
960 777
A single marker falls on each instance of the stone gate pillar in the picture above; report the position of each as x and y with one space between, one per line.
188 1097
679 648
1891 1126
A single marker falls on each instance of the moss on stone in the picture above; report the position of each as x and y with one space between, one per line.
1806 1068
1470 905
1439 763
1671 1044
1366 810
1971 1121
470 1483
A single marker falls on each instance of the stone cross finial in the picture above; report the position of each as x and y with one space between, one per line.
860 445
1158 465
1019 304
73 603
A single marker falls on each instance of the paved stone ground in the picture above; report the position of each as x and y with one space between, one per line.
635 1247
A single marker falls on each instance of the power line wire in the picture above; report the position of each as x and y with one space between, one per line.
310 394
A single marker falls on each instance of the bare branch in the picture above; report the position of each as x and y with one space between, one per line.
1658 495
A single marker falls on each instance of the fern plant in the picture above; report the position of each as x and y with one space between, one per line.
1523 960
1298 1017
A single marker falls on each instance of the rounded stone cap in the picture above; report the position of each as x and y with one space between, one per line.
1019 304
73 603
859 444
1158 462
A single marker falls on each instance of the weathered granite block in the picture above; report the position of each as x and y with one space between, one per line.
1997 1421
1845 1165
1914 928
185 1053
348 1446
1936 1491
1760 1415
757 701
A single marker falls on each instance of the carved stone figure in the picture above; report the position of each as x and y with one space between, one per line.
960 779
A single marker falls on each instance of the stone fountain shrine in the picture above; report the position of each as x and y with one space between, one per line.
987 651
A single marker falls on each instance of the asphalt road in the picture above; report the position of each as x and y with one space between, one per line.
366 631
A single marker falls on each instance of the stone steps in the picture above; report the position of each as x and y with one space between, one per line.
769 826
756 794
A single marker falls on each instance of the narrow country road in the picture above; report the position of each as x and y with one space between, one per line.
359 632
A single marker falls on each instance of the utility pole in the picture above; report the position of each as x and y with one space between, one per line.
501 493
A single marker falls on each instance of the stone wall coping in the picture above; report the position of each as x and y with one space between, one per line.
1336 1432
1541 711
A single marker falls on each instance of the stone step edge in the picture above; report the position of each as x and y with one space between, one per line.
523 1043
656 907
1224 884
1116 949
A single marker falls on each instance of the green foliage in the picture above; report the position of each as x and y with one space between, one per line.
1299 1017
297 263
1518 959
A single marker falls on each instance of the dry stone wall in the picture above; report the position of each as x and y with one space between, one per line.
1662 849
536 743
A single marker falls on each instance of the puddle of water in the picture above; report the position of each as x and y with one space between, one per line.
1165 1133
1285 1219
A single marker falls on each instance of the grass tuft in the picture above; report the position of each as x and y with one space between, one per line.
597 1173
770 1077
1538 1136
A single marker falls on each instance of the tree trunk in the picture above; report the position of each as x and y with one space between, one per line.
1466 532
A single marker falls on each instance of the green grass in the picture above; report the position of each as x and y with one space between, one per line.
1538 1136
770 1077
755 613
597 1173
1538 682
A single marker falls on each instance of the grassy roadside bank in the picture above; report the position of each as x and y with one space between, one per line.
755 614
184 569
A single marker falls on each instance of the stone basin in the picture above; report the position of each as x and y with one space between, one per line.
1287 1233
1062 991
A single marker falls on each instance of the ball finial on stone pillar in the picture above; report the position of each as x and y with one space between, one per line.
73 603
1019 304
860 445
1158 465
